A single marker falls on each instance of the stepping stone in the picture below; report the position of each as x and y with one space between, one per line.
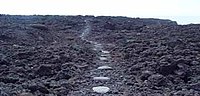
98 45
95 43
103 58
101 89
106 52
105 55
104 67
101 78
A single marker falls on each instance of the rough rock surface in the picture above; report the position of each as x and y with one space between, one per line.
45 55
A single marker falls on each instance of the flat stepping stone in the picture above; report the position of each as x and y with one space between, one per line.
95 43
105 55
106 52
104 67
101 78
103 58
98 45
101 89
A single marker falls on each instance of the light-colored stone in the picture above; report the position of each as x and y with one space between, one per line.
101 89
101 78
105 55
106 52
98 46
104 67
103 58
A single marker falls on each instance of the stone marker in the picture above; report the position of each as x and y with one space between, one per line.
105 55
95 49
103 58
101 78
106 52
101 89
104 67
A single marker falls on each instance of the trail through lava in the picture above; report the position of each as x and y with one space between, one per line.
105 78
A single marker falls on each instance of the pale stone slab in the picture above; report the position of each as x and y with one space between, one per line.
103 58
104 67
105 55
101 89
106 52
101 78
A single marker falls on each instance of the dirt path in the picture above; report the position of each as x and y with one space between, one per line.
105 78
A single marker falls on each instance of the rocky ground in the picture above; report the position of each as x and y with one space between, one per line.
60 55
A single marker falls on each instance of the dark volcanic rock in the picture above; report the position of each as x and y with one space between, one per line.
9 79
44 55
63 74
167 69
38 87
4 62
25 94
44 70
157 80
35 48
3 93
195 86
145 75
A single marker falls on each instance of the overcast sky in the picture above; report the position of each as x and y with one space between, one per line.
182 11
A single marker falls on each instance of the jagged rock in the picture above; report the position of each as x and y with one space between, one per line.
8 79
3 93
25 94
195 86
4 62
44 70
62 91
168 69
38 87
157 80
64 74
195 63
145 75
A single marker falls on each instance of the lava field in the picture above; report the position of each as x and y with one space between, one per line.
75 55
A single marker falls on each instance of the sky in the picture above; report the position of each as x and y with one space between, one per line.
182 11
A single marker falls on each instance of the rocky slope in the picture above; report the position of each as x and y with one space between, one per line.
159 58
45 55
